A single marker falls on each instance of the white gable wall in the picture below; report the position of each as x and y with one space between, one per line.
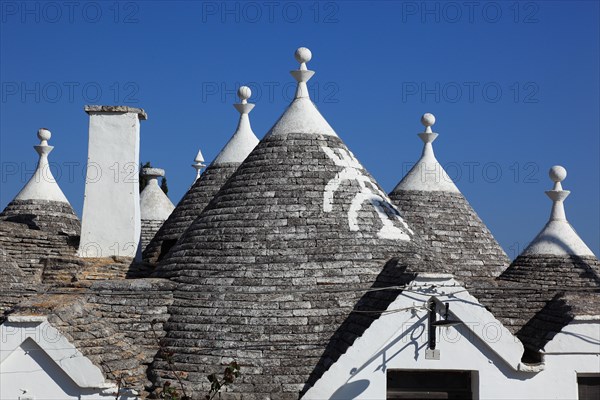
398 340
28 372
38 362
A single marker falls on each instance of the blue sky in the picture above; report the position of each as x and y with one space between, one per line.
514 87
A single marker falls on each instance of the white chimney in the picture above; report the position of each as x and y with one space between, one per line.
111 208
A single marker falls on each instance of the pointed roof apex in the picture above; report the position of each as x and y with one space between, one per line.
303 74
558 236
243 140
427 174
302 115
42 185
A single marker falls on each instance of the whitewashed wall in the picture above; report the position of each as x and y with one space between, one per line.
399 340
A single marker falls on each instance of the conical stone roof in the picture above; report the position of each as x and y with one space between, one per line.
435 208
275 271
41 204
206 185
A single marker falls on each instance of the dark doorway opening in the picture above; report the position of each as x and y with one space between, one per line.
429 384
588 387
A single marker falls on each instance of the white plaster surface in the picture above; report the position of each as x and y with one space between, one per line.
38 362
111 209
558 238
427 174
154 203
398 340
302 116
369 192
579 336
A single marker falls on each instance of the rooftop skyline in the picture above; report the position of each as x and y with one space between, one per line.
511 101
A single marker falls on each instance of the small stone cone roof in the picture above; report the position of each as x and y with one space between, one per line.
529 297
154 203
435 208
206 186
555 279
41 204
271 269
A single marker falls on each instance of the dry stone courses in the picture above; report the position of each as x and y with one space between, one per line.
46 215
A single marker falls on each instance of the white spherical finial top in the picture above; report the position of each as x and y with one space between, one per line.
44 134
557 173
428 119
244 93
303 55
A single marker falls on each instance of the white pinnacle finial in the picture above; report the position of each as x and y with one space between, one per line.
428 120
198 164
558 236
243 140
427 174
42 185
558 174
303 74
199 157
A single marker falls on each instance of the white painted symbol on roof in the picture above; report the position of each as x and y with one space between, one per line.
353 171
